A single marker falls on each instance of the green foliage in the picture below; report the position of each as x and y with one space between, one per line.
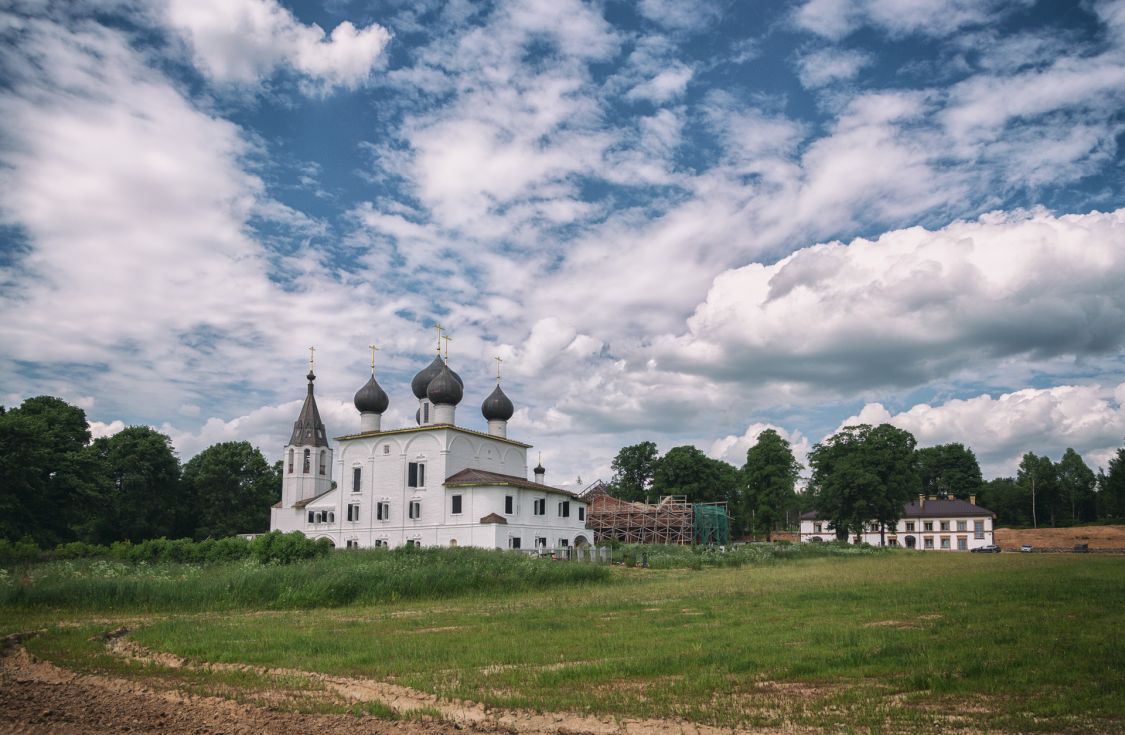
1038 476
285 548
669 556
1077 484
769 478
632 471
265 581
229 488
138 496
688 471
1111 488
23 551
1008 500
863 474
949 469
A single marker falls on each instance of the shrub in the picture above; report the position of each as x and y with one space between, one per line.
22 551
285 548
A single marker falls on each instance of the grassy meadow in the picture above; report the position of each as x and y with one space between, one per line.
886 641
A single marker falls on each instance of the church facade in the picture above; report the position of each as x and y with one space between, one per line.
433 484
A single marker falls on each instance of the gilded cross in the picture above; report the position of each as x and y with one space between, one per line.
498 360
438 327
446 338
312 359
373 349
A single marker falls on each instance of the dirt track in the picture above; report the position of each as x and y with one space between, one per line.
37 698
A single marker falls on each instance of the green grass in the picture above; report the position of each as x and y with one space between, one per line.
877 642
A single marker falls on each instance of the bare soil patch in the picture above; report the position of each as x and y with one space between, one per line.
1098 537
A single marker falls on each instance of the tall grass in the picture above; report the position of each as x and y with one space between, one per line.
688 557
345 578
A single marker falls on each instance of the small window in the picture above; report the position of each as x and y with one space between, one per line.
425 413
928 542
416 474
353 511
312 517
415 509
509 506
456 505
383 511
945 542
945 525
928 526
514 542
892 542
818 528
541 542
581 513
962 526
323 460
563 543
962 543
410 543
357 477
564 509
386 449
380 542
352 544
539 507
910 525
291 461
978 529
308 460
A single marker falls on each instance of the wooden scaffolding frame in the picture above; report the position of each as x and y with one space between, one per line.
667 522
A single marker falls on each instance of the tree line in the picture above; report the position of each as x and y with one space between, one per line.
57 486
864 474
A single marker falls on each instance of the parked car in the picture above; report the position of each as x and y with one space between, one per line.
989 549
1082 548
1025 548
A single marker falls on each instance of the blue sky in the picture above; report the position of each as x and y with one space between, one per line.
674 221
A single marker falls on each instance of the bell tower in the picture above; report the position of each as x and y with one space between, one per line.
307 462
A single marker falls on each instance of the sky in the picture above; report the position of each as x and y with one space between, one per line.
677 222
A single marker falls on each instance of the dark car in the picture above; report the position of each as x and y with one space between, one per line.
989 549
1082 548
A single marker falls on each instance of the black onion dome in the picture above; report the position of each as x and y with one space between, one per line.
456 376
444 389
371 398
497 407
539 469
422 379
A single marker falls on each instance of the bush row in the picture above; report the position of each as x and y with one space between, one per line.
698 557
269 548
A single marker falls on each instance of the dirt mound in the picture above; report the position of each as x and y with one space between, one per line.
1098 537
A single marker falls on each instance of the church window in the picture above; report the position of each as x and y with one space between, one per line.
564 543
416 475
514 542
581 513
425 413
357 476
564 509
312 517
509 505
380 542
352 543
308 457
383 511
410 543
353 511
539 507
290 461
456 504
415 509
386 449
541 542
323 459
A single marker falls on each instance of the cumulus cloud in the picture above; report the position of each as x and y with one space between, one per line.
823 67
1087 418
915 304
732 448
838 18
246 41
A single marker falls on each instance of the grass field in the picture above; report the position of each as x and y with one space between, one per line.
880 642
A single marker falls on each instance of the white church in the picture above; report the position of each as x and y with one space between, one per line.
434 484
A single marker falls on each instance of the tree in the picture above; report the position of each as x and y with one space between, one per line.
139 492
1008 499
1076 482
769 479
688 471
632 471
1037 475
1111 488
949 469
41 477
228 488
864 474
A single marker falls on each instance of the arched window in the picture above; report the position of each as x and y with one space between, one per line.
308 458
291 461
323 455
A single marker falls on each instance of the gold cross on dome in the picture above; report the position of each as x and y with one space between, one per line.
312 359
373 349
446 338
498 360
438 327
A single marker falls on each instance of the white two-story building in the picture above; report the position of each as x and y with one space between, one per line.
948 524
431 484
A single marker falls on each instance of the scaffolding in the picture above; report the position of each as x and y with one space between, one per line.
673 520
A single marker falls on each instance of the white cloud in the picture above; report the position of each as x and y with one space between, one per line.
915 305
1088 418
681 16
820 68
732 448
99 429
836 19
246 41
665 86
